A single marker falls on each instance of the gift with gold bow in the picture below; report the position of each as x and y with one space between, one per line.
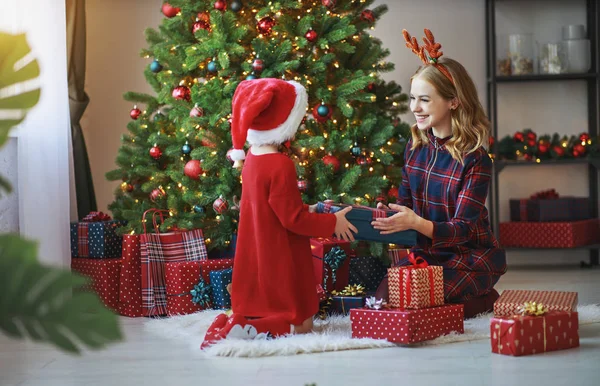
415 286
510 301
353 296
534 329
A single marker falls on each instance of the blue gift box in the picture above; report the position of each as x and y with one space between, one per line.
342 305
74 241
367 271
219 281
361 217
227 253
103 239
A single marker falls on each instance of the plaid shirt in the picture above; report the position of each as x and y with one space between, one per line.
452 195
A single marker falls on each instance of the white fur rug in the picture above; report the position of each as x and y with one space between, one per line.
332 334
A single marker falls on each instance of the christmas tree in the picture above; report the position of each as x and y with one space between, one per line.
174 157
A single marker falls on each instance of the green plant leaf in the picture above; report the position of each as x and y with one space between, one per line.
14 48
38 302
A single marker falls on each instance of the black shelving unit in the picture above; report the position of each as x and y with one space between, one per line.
592 79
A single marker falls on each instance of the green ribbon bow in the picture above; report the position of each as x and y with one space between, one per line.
335 258
201 294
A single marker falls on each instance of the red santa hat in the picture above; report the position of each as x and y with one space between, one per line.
266 111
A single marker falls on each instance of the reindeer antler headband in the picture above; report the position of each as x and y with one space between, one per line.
429 52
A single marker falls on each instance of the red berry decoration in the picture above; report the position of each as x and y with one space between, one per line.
193 169
200 24
302 185
220 5
135 113
311 35
169 11
258 65
584 137
182 93
220 205
196 112
543 148
559 150
519 137
578 150
333 161
531 142
368 16
328 3
265 25
156 194
528 157
393 192
531 135
155 152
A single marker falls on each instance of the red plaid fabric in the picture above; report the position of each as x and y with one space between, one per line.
452 195
82 239
158 249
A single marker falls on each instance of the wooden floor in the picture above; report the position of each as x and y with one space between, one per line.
146 360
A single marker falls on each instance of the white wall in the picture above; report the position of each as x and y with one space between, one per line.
114 66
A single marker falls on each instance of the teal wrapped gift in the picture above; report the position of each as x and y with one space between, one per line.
362 216
219 281
103 240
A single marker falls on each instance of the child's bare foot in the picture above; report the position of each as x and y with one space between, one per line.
304 328
229 288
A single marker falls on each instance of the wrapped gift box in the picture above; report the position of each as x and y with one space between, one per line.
407 326
549 234
414 287
526 335
218 282
181 277
130 288
510 300
104 275
227 253
367 271
328 278
341 305
96 239
556 209
362 216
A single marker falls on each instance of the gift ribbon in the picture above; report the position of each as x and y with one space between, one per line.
418 262
96 217
373 303
350 290
335 258
201 294
549 194
531 309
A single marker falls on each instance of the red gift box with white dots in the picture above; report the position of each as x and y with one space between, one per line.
181 277
527 335
549 234
407 326
130 289
105 278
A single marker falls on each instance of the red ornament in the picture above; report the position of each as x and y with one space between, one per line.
333 161
528 157
559 150
196 112
319 118
393 192
135 112
531 136
220 205
129 188
170 11
155 152
265 25
328 3
543 148
371 87
311 35
182 93
156 194
519 137
258 65
584 137
302 185
361 160
221 5
531 142
203 16
200 24
578 150
491 140
368 16
193 169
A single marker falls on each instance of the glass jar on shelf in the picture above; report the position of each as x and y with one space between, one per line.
502 56
552 59
520 47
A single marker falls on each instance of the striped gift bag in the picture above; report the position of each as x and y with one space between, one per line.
157 249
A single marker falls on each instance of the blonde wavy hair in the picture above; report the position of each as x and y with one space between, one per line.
470 126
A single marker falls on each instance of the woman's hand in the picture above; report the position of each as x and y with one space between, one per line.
404 219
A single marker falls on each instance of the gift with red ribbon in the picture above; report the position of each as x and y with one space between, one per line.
362 216
534 330
419 285
95 236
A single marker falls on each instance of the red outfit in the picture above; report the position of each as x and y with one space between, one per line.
273 273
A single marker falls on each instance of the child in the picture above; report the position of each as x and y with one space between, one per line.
273 291
445 181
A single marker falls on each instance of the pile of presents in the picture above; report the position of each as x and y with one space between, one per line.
165 274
